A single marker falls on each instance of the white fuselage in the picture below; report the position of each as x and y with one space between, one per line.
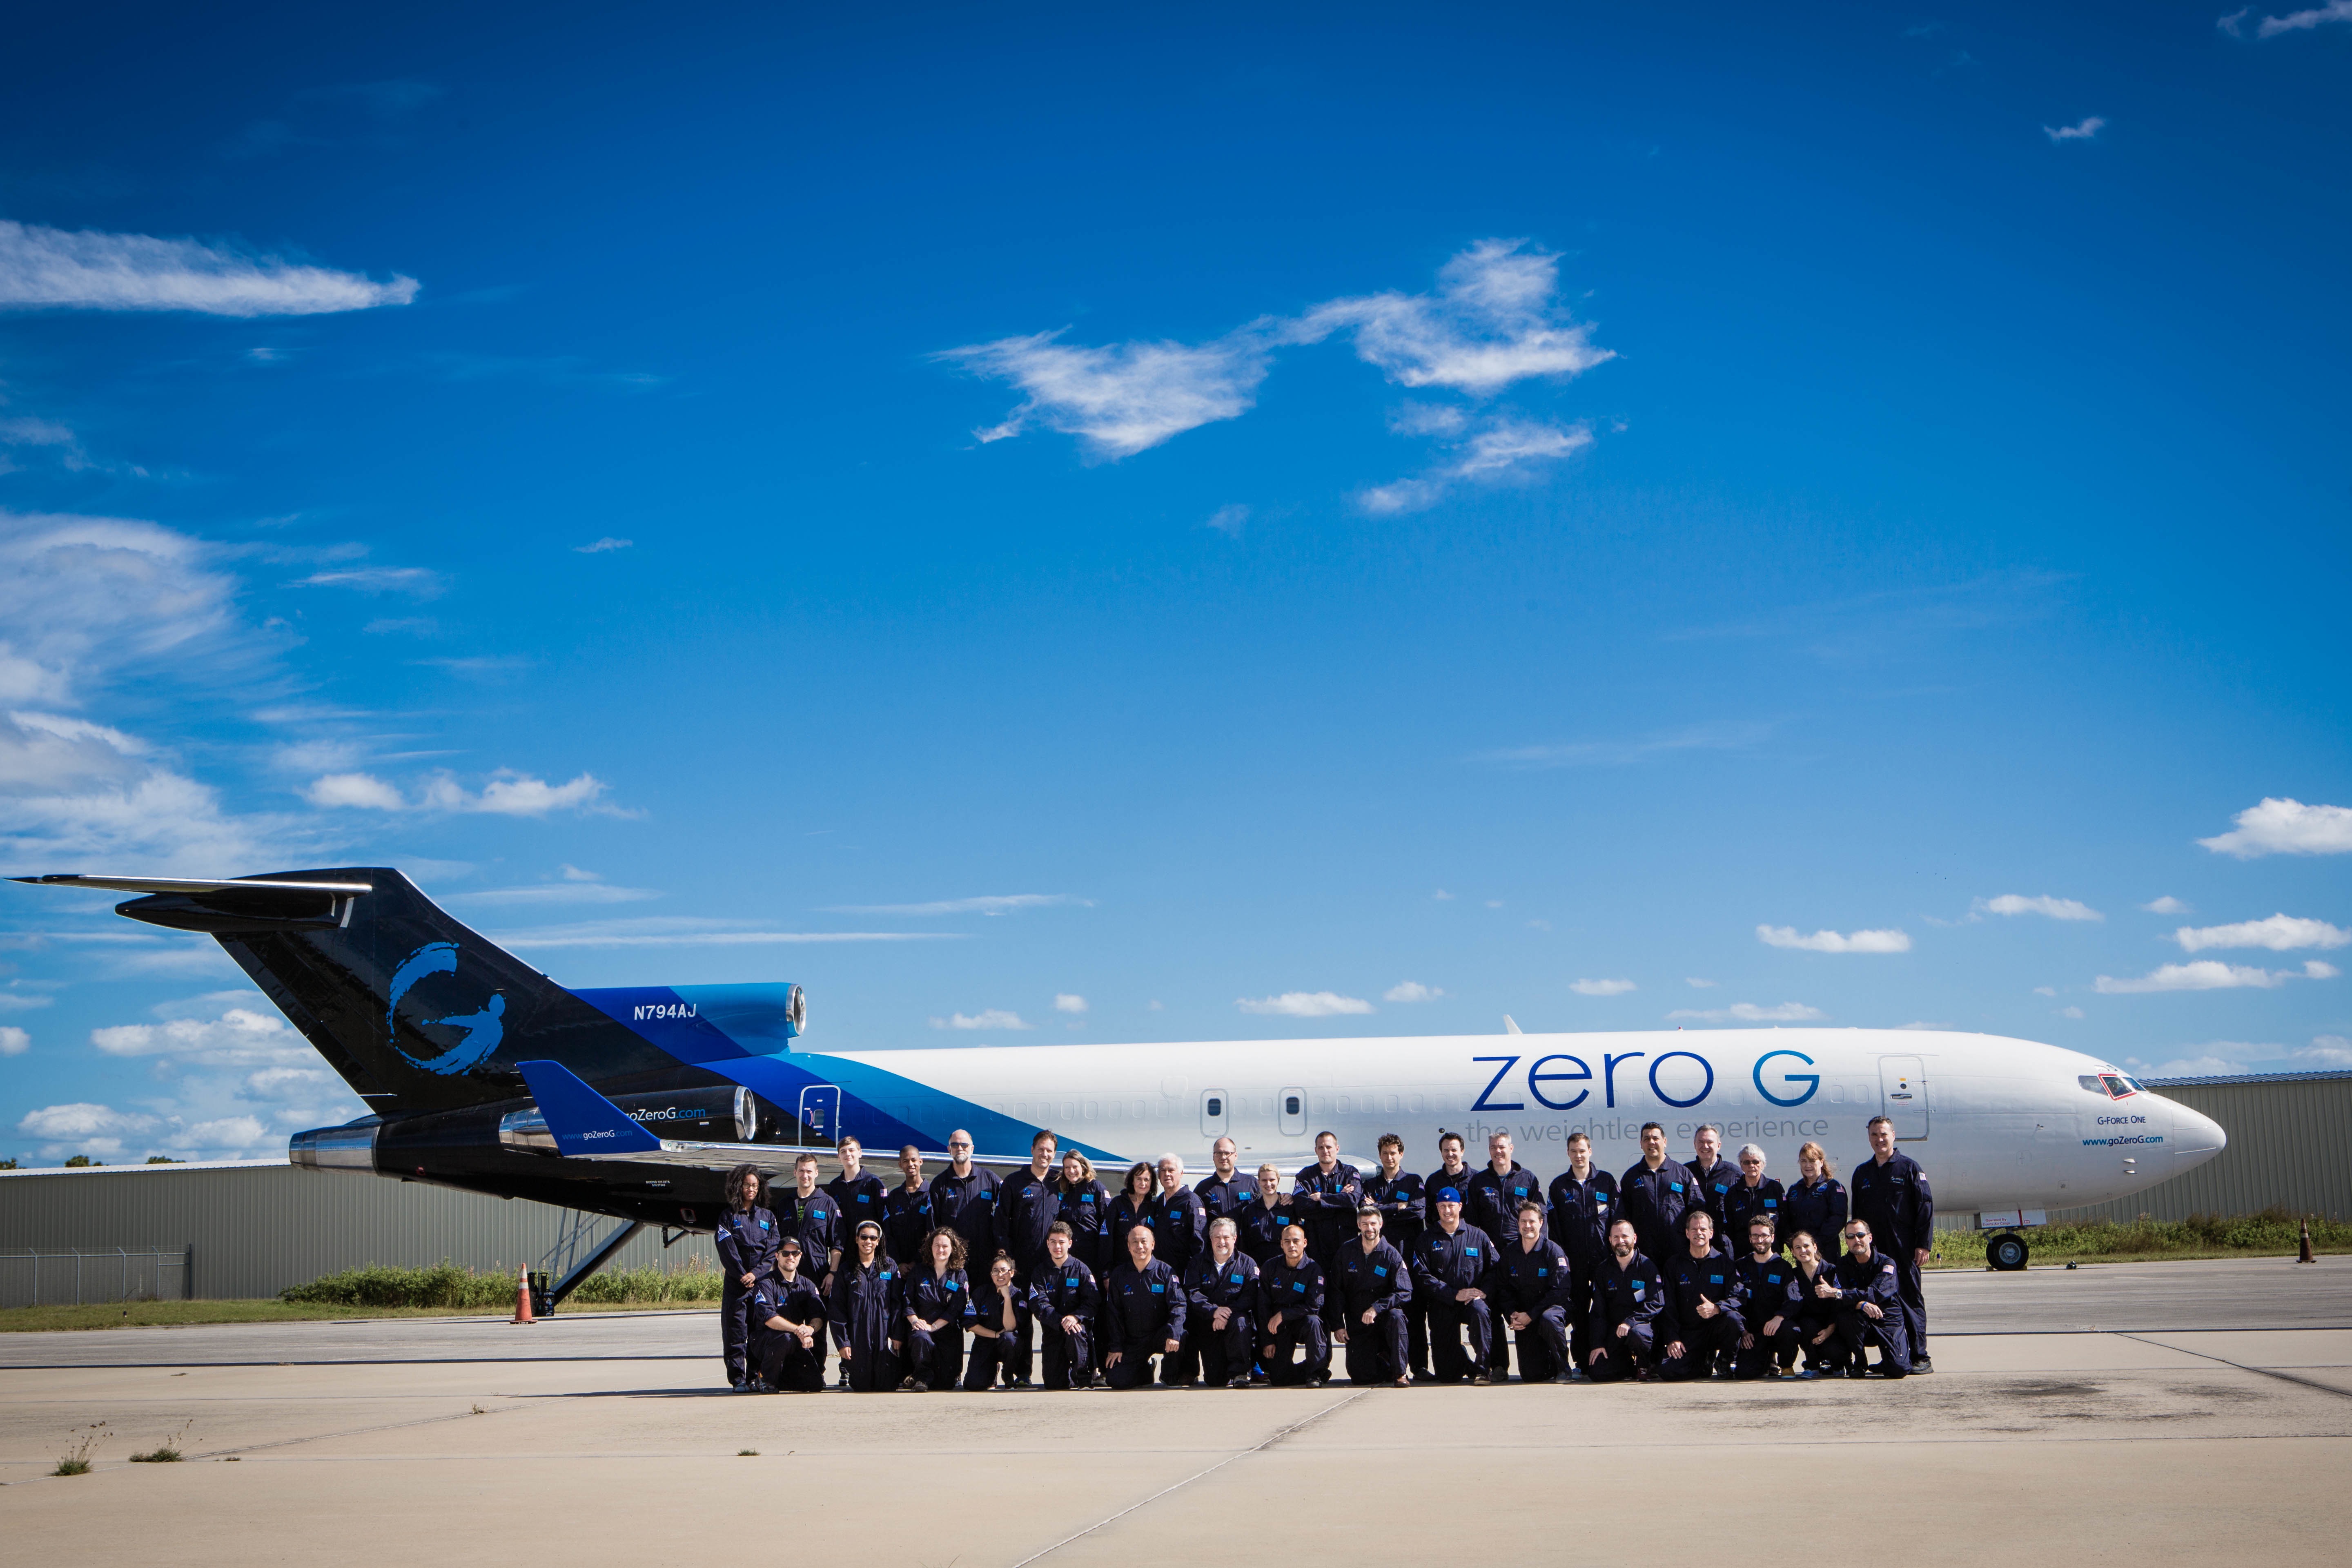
1998 1124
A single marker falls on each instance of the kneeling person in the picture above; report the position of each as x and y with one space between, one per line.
1065 1298
1627 1299
935 1300
786 1315
1290 1292
1703 1326
1142 1314
1869 1293
1532 1292
999 1328
1221 1302
1374 1288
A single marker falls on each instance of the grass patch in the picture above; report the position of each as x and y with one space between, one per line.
180 1314
75 1461
2273 1232
447 1288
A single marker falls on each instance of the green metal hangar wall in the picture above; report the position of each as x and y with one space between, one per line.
2290 1145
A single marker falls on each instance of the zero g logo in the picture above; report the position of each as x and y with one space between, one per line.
1548 1081
479 1031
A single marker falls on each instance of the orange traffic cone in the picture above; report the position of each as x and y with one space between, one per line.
522 1299
2304 1255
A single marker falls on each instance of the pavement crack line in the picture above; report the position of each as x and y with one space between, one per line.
1277 1436
2225 1361
354 1432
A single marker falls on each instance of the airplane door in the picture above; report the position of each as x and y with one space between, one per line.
821 1114
1903 1096
1216 1113
1290 1107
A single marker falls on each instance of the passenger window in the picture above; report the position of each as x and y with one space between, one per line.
1216 1106
1290 1106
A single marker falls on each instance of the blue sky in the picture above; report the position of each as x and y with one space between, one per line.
1186 525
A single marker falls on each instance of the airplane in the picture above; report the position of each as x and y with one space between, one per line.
482 1073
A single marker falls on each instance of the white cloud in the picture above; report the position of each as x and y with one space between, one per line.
1749 1013
2284 826
2327 1051
422 582
2292 22
1068 1002
506 794
50 267
2197 1067
1832 941
2046 991
232 1131
1411 991
22 1001
240 1037
1921 1026
1696 983
1441 896
1600 987
571 873
2070 1012
14 1042
994 1018
1123 399
2167 905
1228 519
1304 1005
81 1119
1619 752
2057 909
603 546
2212 974
2232 23
1500 450
2280 934
1494 320
986 904
362 791
560 893
2082 131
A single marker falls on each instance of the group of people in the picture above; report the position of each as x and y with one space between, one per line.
1673 1270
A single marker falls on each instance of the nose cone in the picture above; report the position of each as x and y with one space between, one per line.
2196 1138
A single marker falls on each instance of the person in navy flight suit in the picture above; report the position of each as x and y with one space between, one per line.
1290 1292
1713 1172
1816 1203
1654 1195
1531 1292
1065 1298
1142 1314
1491 1204
1179 1226
1890 1194
999 1330
1867 1288
1324 1198
1702 1326
1627 1299
809 1215
907 1212
1450 1269
1131 1207
746 1238
1450 1173
857 1192
1263 1218
1085 1208
1396 1192
1225 1190
1811 1325
963 1198
864 1311
1752 1195
935 1300
1220 1308
1768 1297
1027 1204
1583 1201
787 1323
1372 1286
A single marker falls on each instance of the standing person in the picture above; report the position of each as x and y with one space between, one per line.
1085 1206
1450 1173
1817 1203
1396 1192
1768 1289
963 1198
1027 1204
856 1191
1324 1198
1867 1287
1225 1190
1584 1202
1715 1174
1142 1314
1130 1208
1652 1195
999 1330
787 1328
1627 1299
864 1311
935 1298
1491 1204
1220 1308
1753 1195
1290 1289
1263 1218
746 1238
1450 1268
1372 1287
1531 1292
1179 1222
1812 1323
907 1212
1066 1299
811 1217
1702 1325
1890 1194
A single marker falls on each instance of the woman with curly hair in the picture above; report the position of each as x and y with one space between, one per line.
746 1237
935 1303
1086 1209
1130 1208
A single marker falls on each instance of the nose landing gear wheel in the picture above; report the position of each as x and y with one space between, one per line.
2005 1252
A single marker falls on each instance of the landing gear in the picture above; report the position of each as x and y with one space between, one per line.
2006 1253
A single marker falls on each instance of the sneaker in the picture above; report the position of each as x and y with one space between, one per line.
736 1386
1563 1377
1810 1373
1922 1363
1018 1383
1481 1378
1242 1382
1257 1380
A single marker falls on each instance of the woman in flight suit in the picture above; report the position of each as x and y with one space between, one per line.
863 1312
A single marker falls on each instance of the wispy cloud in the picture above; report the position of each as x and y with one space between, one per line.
2082 129
603 546
1600 987
13 1041
565 893
1749 1013
1411 991
1497 452
689 930
1124 398
2285 826
89 270
2212 974
986 904
1619 754
1494 319
2167 905
419 581
994 1018
507 793
2042 904
1068 1002
2292 22
1832 941
1228 519
2280 934
1305 1005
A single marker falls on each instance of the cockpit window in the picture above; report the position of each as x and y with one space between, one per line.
2090 1080
2117 1086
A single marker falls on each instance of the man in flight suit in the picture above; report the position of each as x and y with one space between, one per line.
1450 1268
1702 1325
1653 1194
787 1319
808 1215
1220 1309
1290 1291
1891 1197
1225 1190
1028 1202
1179 1225
857 1192
1531 1292
1065 1298
963 1198
1868 1290
1142 1313
1452 1173
906 1211
1584 1202
1397 1194
1372 1287
1324 1198
1714 1175
1491 1204
1769 1304
1627 1299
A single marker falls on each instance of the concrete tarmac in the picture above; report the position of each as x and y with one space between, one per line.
2193 1421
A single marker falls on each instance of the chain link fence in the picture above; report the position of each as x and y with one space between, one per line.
48 1277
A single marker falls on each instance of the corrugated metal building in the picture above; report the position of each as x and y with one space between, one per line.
2290 1144
257 1226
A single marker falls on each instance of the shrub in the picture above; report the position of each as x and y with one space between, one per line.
447 1286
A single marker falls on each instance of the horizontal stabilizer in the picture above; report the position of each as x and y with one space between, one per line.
583 1121
193 884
